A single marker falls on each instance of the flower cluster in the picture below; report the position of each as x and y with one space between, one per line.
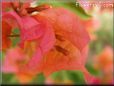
51 40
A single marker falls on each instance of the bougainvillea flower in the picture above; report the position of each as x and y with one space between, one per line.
105 59
72 27
8 24
104 63
14 61
52 40
67 23
27 33
34 35
9 19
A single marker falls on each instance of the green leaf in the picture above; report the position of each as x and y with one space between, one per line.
15 40
76 76
39 79
16 31
92 70
72 5
9 79
59 75
2 54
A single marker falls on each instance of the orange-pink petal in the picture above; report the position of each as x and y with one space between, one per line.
69 24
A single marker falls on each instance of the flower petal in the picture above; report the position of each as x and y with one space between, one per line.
6 30
13 19
48 38
10 62
46 42
54 61
71 26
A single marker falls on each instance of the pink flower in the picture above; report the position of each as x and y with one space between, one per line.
52 40
34 35
104 63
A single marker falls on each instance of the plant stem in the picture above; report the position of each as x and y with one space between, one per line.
15 35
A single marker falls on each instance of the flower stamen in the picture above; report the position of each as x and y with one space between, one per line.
59 37
62 50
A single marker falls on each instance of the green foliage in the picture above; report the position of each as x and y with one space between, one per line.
15 40
104 38
39 79
74 76
104 34
9 79
92 70
60 75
